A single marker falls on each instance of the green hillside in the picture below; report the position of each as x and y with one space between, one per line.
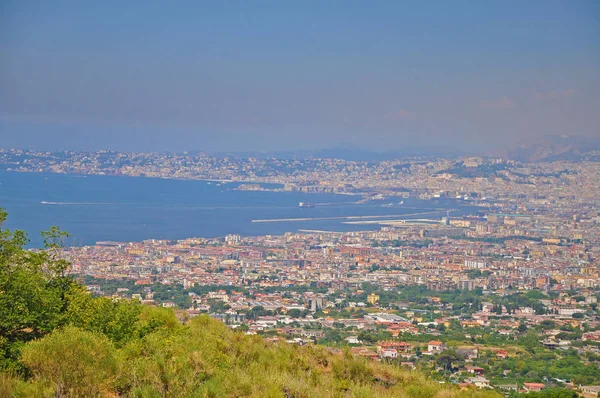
203 358
57 340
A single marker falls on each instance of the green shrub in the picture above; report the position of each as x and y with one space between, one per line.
75 361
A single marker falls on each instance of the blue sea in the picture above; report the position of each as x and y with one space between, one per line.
113 208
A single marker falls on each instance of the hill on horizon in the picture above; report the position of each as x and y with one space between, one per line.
351 153
552 148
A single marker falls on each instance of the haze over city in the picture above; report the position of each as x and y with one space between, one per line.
233 76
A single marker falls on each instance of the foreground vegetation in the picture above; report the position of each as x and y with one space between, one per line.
57 340
203 358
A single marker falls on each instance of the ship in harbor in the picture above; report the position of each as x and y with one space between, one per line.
306 205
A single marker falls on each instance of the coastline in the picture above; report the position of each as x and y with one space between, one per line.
135 209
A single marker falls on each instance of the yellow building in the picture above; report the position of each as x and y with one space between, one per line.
372 298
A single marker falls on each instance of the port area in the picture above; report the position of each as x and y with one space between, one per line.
399 216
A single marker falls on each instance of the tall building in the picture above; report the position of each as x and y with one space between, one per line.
466 284
233 239
315 304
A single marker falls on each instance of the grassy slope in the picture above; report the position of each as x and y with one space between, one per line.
204 358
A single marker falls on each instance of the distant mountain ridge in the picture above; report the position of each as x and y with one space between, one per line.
351 153
552 148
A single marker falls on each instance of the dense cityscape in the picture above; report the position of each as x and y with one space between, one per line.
290 199
503 299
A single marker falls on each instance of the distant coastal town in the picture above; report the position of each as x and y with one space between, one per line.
469 178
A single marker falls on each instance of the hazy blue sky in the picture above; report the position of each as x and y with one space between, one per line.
237 75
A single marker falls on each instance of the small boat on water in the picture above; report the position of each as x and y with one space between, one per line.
305 205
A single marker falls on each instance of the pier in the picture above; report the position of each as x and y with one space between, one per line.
349 217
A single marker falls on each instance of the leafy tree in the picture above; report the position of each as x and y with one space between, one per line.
449 360
530 340
34 287
115 319
522 328
548 324
218 305
552 393
367 337
473 274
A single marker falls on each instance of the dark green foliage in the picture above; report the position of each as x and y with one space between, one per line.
548 393
34 290
449 360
